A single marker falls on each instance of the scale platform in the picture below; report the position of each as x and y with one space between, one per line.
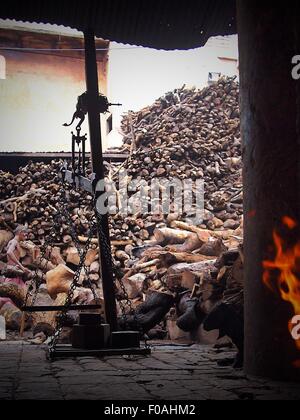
66 350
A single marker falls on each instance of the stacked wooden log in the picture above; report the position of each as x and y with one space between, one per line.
188 134
192 134
32 196
204 274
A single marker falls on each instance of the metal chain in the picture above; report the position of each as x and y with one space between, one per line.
105 248
49 243
79 250
116 273
36 281
117 276
62 316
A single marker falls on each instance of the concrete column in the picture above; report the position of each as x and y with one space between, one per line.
268 39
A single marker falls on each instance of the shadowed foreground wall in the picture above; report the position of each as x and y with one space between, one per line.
271 153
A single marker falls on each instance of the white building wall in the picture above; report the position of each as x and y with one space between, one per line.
2 68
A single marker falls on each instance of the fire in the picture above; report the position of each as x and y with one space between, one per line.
290 223
285 268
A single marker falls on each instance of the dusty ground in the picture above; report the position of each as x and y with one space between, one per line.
176 373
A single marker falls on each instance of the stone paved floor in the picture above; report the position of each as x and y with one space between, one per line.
171 373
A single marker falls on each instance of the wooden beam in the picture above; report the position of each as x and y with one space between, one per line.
50 44
97 164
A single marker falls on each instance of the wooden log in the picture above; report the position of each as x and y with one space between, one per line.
84 239
95 267
44 265
13 292
56 257
148 251
192 243
183 280
94 277
203 235
203 266
5 237
46 321
175 333
168 259
122 256
191 314
228 258
13 317
167 236
150 313
59 280
74 258
11 271
24 197
134 285
213 248
182 241
122 243
148 264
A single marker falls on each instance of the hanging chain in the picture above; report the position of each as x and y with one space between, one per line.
62 316
117 276
115 272
96 227
39 276
79 250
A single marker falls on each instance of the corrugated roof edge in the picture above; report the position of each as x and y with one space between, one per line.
166 24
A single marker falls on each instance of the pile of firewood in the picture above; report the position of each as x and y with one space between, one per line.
32 197
175 274
199 271
188 134
192 134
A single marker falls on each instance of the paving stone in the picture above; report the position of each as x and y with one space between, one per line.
171 372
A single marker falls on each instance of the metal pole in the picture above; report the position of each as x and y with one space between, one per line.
91 70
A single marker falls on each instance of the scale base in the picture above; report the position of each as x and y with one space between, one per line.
66 350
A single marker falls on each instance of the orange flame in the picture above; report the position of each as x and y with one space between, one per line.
287 266
290 223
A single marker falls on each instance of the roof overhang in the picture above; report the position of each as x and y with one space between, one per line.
160 24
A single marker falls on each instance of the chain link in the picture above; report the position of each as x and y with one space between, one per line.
115 272
62 316
79 250
117 275
37 280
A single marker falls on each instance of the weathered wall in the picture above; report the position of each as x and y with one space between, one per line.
38 95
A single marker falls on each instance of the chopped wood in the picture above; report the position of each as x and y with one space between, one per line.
187 134
5 237
13 292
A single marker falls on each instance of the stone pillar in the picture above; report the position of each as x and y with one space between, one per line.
268 34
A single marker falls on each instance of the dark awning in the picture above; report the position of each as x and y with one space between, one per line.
161 24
